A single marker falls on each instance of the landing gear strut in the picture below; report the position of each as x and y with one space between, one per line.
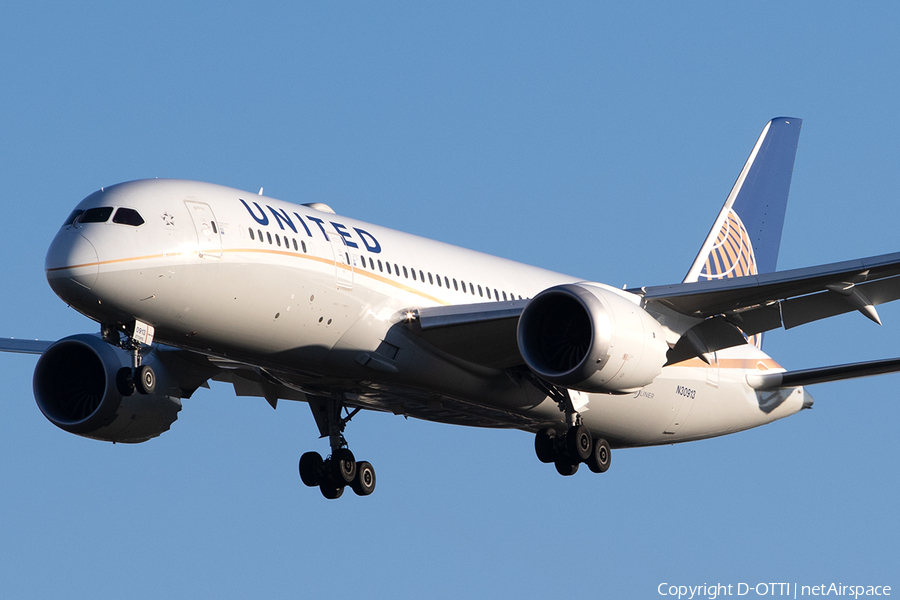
139 377
331 475
576 446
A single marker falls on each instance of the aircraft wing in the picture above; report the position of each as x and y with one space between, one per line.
24 346
485 333
758 303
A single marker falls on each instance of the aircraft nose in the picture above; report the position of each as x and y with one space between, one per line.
71 263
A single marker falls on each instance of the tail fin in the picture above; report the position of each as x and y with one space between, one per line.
745 238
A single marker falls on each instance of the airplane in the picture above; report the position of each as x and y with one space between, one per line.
191 282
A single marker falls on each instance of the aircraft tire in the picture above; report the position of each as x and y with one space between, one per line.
310 468
145 379
330 489
364 482
343 466
566 467
578 443
600 458
545 445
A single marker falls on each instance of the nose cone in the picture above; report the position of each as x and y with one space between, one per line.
71 265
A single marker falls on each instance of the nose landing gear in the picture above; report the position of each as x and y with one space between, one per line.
331 475
139 377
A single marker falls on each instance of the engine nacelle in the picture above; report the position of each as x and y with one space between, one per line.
590 338
75 387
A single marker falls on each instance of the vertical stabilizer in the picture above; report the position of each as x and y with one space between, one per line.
746 236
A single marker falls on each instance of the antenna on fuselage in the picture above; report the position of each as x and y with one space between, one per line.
260 192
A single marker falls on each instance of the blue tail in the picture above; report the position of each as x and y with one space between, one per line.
746 236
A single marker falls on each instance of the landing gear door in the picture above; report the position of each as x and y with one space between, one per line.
209 234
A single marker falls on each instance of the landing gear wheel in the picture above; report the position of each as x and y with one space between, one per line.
364 483
145 379
310 468
566 467
578 443
600 457
343 466
545 445
125 381
330 489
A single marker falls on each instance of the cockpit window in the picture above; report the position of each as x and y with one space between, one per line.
128 216
96 215
71 219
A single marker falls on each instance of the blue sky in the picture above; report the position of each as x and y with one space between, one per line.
594 138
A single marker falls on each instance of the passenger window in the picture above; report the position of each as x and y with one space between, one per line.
303 245
295 244
496 295
438 277
388 268
269 236
379 266
252 236
371 263
479 292
259 231
72 216
472 288
455 287
213 223
413 273
421 276
96 215
504 296
405 273
396 269
278 240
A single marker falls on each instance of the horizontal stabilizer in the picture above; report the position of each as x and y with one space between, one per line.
789 379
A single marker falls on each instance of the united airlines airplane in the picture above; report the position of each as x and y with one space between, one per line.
191 282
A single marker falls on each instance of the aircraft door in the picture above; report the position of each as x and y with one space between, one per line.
343 260
683 403
209 236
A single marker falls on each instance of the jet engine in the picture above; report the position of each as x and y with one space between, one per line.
80 386
588 337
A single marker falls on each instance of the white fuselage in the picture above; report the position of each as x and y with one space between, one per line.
315 300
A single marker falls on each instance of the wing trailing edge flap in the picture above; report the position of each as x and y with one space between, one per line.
789 379
483 334
250 381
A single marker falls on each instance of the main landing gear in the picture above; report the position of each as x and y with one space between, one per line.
341 469
571 449
574 447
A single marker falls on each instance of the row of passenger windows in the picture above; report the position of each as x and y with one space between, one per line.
444 282
392 269
276 239
123 216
